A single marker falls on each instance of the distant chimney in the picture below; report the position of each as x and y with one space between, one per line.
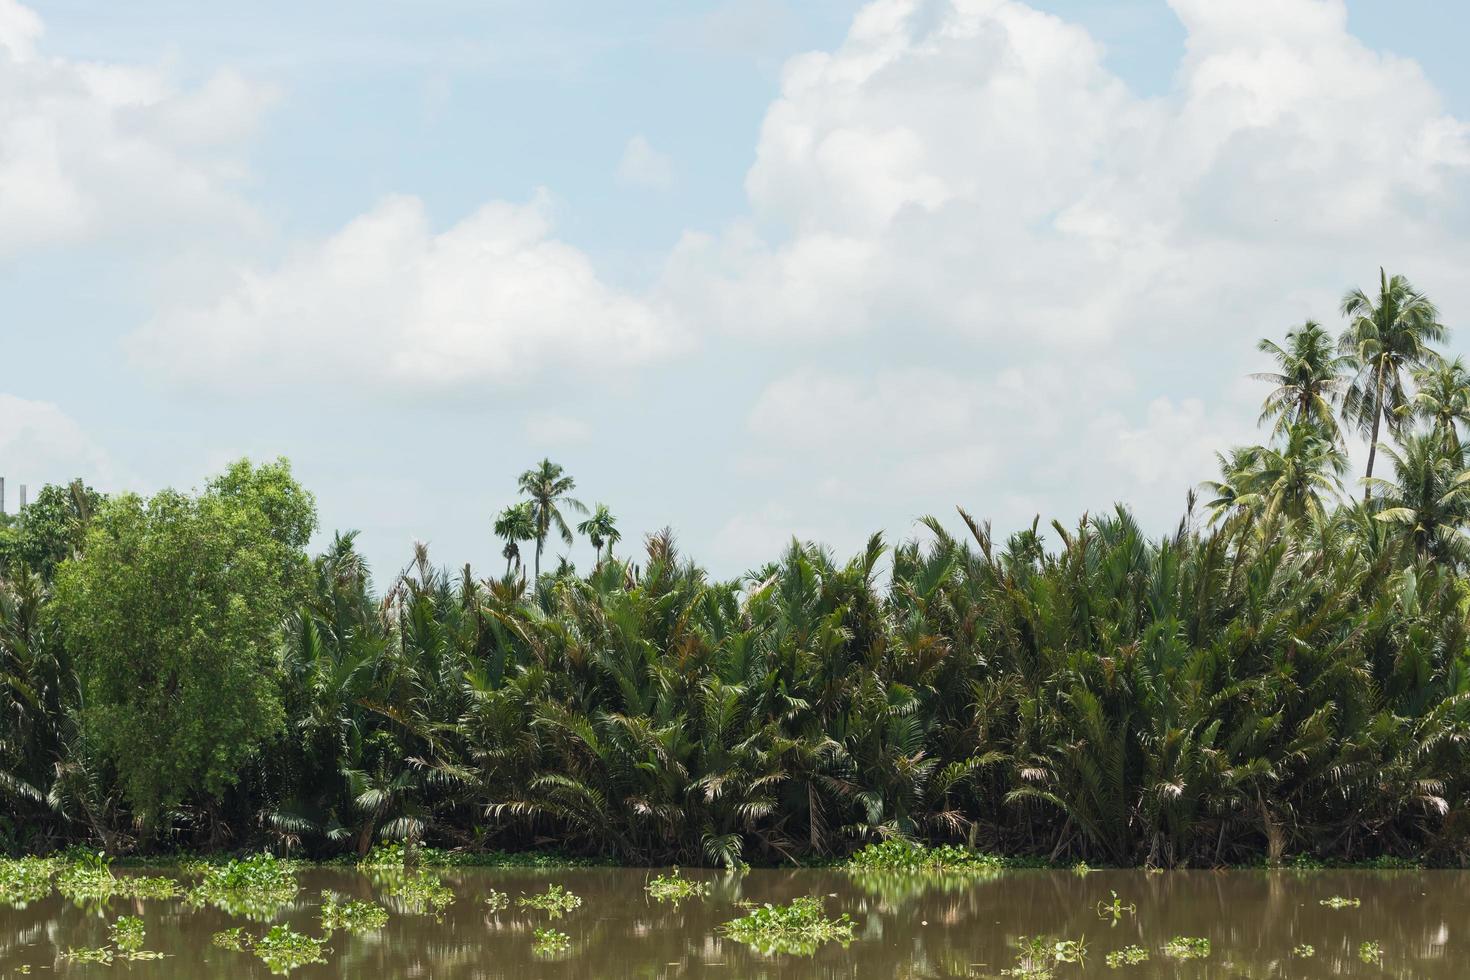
2 496
22 497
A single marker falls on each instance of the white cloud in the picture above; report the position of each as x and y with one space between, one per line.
972 169
90 149
387 300
644 166
40 444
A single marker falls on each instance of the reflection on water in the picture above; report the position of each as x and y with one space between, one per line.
904 928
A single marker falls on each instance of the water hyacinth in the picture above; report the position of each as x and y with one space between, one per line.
237 939
25 880
283 950
899 855
351 916
1127 956
549 942
496 901
675 888
255 887
1187 948
556 901
799 928
421 891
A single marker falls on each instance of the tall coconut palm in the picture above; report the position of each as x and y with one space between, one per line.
1429 496
599 528
1386 338
1442 399
548 487
514 525
1308 380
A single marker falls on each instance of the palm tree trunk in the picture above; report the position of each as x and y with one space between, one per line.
1373 443
539 543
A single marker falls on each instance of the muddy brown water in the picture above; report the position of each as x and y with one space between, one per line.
905 927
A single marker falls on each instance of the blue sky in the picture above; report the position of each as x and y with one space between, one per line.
747 269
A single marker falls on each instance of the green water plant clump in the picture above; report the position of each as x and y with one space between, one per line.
900 855
237 939
126 938
283 950
556 901
1038 956
255 887
1304 951
1338 902
676 888
497 901
549 942
1370 952
350 916
422 891
25 880
1187 948
800 927
1127 956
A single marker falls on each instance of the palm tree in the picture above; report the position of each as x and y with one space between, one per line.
601 527
1443 399
1294 479
1429 496
1385 338
1308 380
548 486
515 524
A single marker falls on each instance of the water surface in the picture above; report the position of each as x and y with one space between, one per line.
905 928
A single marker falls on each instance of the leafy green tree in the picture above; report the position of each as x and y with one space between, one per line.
1428 497
513 525
601 528
174 614
1387 337
548 488
51 528
1308 379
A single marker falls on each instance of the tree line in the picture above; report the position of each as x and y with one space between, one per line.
1283 675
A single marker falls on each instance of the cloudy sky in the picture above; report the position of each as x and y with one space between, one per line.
748 268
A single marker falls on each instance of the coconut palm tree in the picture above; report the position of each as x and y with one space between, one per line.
548 487
1386 337
1442 399
1429 496
1308 380
599 528
514 525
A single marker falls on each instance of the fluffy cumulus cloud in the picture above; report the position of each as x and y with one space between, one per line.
974 166
91 149
644 166
40 443
387 299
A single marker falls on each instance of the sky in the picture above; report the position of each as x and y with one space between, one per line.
748 269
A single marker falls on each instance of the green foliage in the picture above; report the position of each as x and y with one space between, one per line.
1304 951
25 880
1127 956
50 529
283 950
1037 956
555 901
799 928
496 901
549 942
351 916
675 888
1370 952
173 613
1338 902
236 939
422 891
126 935
902 855
1187 948
255 887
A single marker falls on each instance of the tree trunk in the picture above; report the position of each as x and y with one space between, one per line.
1373 443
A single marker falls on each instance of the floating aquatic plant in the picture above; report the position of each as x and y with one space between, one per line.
1187 948
908 856
282 950
800 927
255 887
675 888
1338 902
1304 951
127 936
237 939
1370 952
1115 909
549 942
1036 956
556 901
25 880
1127 956
496 901
422 891
351 916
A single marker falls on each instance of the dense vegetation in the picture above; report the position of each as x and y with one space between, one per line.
1286 674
